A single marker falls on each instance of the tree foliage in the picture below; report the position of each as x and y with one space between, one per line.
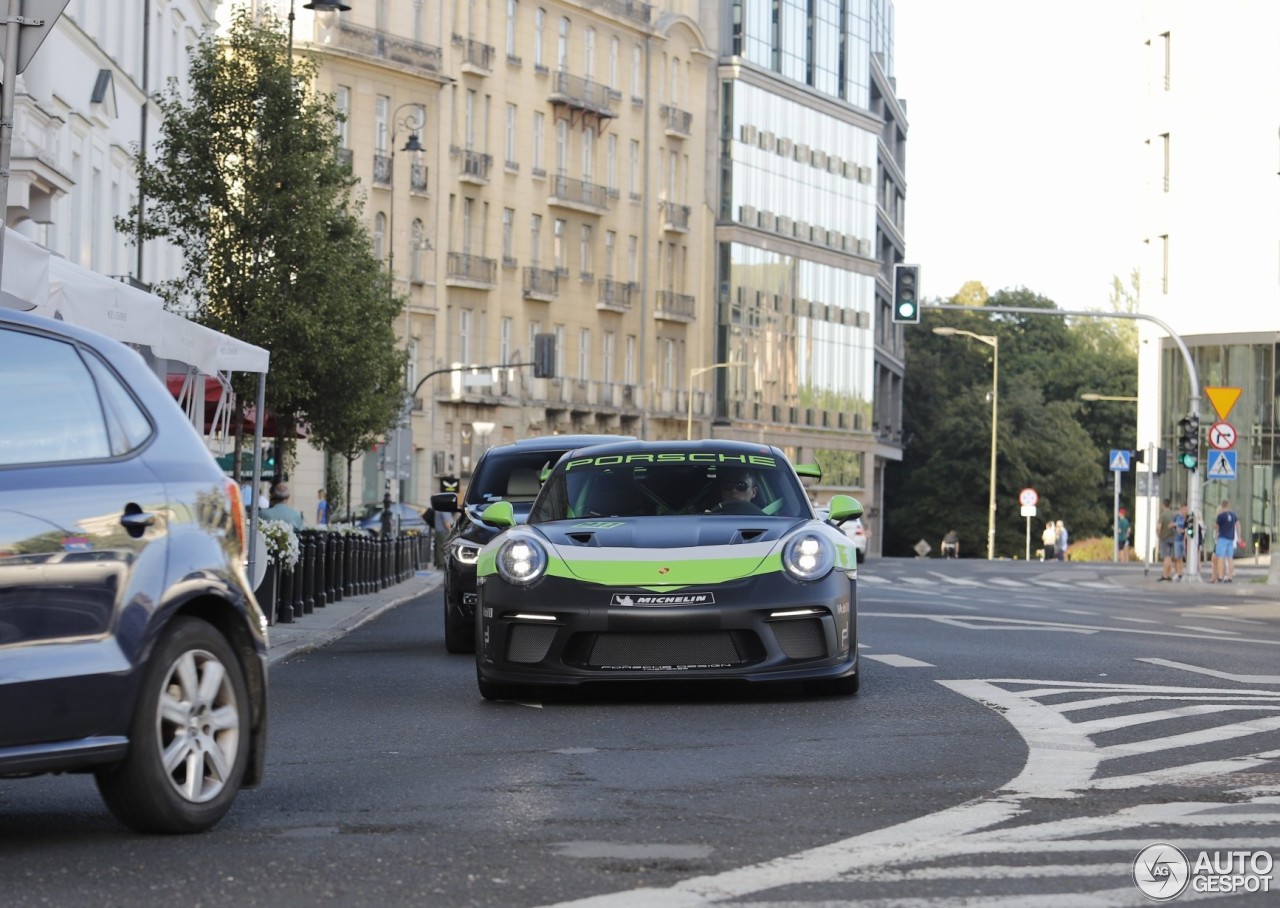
247 184
1047 438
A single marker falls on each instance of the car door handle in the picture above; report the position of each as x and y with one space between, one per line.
137 521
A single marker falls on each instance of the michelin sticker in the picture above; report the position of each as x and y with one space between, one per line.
628 601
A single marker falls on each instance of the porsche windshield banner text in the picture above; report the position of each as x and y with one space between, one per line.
679 599
613 460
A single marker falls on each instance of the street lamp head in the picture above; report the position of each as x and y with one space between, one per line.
1089 395
413 144
945 331
326 6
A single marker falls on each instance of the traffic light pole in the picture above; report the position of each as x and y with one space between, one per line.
1193 400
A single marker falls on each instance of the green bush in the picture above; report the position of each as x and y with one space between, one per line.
1099 548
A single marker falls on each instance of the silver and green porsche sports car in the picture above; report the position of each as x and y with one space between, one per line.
669 560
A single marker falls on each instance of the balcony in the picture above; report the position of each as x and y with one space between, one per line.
477 58
541 284
418 178
628 9
614 296
462 269
670 306
589 198
475 167
381 170
581 94
369 42
676 123
675 218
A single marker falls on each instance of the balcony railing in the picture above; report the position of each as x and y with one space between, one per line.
382 169
629 9
471 269
418 178
581 94
675 217
673 307
370 42
477 56
475 166
614 296
676 122
541 284
578 195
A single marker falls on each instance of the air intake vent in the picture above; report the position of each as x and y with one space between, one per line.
800 638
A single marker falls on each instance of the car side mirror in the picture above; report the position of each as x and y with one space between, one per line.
444 501
844 507
500 514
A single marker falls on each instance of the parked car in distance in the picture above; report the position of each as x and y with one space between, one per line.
851 528
645 562
131 645
404 516
510 472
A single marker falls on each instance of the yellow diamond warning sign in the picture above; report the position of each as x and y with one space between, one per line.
1223 399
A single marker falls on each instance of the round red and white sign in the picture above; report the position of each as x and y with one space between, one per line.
1028 497
1222 436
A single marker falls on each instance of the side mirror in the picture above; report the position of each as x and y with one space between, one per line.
844 507
445 502
500 514
809 470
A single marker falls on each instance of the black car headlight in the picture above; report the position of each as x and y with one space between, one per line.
808 556
521 560
465 552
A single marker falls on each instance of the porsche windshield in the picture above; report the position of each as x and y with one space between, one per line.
653 484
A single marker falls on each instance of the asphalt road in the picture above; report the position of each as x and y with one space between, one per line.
1022 732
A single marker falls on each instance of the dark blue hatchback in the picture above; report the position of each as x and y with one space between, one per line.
131 646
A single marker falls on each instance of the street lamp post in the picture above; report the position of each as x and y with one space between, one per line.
1115 476
319 6
694 373
993 342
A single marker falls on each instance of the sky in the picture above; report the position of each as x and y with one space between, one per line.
1024 144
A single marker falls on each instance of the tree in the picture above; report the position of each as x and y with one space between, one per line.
247 184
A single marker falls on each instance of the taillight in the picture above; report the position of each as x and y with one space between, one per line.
237 515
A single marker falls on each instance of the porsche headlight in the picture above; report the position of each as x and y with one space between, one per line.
808 556
521 560
465 551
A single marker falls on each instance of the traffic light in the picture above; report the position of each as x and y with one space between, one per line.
906 289
1189 441
544 356
1162 460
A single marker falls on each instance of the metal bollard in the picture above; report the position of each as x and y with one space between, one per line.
339 543
322 568
284 601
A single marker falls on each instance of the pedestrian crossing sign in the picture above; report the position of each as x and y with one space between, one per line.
1222 465
1119 461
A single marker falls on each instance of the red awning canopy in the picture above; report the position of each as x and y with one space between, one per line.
212 394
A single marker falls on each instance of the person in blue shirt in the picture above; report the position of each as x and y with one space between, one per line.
279 509
1226 539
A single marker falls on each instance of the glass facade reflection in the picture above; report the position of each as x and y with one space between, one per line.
1255 369
804 328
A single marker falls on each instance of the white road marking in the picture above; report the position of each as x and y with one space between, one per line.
1208 630
1076 611
1055 584
1227 676
919 581
871 578
1015 623
1002 581
901 661
1136 620
958 581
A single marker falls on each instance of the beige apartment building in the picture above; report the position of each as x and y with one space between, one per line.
532 168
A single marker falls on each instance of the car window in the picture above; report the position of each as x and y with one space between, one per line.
511 476
127 425
51 411
636 484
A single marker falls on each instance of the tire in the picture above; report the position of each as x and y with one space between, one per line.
459 634
173 722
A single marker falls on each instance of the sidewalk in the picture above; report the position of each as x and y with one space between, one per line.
331 622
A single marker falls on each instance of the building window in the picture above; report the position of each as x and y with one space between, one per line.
584 354
381 124
637 86
589 53
585 252
511 134
560 351
635 169
464 335
606 356
419 22
562 147
668 359
468 209
379 236
613 63
504 339
629 364
535 240
342 103
611 163
633 259
512 8
588 155
539 18
557 245
610 242
508 229
538 119
419 235
562 46
469 119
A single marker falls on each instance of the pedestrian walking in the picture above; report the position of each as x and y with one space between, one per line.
1179 541
1048 539
1226 540
1167 533
1122 535
1060 541
322 508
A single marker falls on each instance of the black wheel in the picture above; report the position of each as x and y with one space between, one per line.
459 633
189 737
